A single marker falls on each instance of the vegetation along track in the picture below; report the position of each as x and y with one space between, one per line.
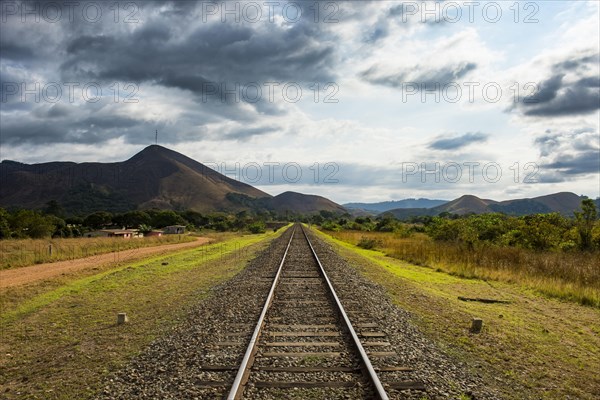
302 346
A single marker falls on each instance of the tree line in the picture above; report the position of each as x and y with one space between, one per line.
551 231
52 222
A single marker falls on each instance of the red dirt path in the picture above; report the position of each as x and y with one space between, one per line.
39 272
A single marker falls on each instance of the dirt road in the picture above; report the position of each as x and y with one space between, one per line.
40 272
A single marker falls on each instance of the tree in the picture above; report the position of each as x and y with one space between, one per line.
160 219
28 223
53 208
5 231
317 219
195 218
132 219
443 229
257 227
99 219
385 223
60 227
326 214
542 231
585 223
145 229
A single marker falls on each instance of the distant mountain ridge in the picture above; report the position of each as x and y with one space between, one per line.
303 203
564 203
383 206
156 177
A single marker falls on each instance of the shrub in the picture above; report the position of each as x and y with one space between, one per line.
368 243
257 227
331 226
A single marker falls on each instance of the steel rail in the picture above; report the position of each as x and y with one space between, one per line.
363 354
238 384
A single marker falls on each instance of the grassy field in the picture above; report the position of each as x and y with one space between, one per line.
59 342
532 348
24 252
572 276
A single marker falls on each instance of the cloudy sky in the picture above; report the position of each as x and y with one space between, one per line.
356 101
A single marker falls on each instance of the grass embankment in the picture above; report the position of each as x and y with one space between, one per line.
61 343
532 348
24 252
572 276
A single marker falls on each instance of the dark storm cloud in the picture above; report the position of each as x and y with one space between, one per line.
458 142
549 176
571 90
213 52
575 63
170 47
573 101
547 90
53 112
58 110
87 130
564 154
582 163
421 76
591 82
15 51
210 59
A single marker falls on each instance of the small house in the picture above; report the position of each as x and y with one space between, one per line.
115 233
174 229
153 233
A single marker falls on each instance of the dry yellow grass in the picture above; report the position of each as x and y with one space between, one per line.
573 276
23 252
530 348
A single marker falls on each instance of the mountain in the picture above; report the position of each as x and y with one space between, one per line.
565 203
390 205
303 203
156 177
466 204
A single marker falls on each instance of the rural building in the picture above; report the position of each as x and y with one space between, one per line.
174 229
118 233
153 233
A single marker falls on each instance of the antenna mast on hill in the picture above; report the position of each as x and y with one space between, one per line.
156 137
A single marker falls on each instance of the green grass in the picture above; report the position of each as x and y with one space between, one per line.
541 348
60 343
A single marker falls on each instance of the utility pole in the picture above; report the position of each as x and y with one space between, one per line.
156 137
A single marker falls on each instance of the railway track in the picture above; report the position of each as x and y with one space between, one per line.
304 344
276 331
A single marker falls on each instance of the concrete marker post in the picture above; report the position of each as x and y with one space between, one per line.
122 318
476 325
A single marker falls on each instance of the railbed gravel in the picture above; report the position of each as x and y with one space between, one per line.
170 367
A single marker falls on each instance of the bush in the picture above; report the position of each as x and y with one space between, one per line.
568 246
257 227
368 243
331 226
